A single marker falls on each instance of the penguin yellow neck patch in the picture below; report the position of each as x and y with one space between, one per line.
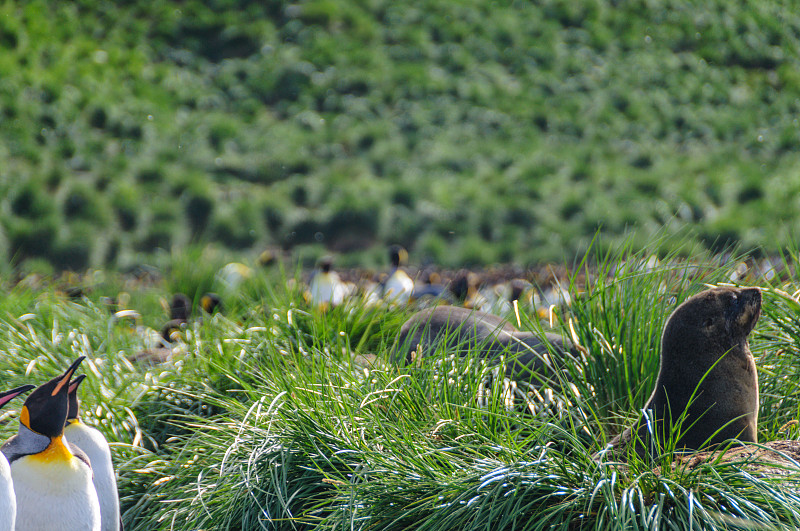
55 451
25 417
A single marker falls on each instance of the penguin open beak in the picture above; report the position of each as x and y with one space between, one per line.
73 409
73 384
67 375
8 396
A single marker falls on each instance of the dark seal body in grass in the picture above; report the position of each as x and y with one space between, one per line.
461 330
707 371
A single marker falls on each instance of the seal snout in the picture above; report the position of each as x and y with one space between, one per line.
749 308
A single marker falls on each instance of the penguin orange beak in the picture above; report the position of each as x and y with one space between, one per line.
67 375
10 395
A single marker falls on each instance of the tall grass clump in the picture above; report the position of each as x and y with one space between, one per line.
777 348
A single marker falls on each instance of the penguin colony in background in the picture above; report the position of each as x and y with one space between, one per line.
160 348
56 473
326 288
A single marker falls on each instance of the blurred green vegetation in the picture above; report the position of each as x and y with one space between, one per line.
469 131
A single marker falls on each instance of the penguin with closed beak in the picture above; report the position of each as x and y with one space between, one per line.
8 503
52 479
92 442
398 286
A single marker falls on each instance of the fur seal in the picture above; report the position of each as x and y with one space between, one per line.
707 371
462 329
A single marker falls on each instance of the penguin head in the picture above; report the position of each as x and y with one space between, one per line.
461 286
45 409
210 302
325 264
267 257
398 255
73 412
173 331
518 287
180 307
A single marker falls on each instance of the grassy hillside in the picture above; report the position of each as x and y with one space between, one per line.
470 132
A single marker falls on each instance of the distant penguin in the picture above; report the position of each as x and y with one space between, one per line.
8 502
500 297
325 288
180 307
398 286
464 288
161 347
92 442
210 303
52 480
232 276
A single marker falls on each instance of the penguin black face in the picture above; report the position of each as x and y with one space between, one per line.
517 289
45 409
459 286
398 255
325 264
74 406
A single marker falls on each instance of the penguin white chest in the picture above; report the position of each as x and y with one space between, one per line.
95 446
398 287
8 503
54 492
327 288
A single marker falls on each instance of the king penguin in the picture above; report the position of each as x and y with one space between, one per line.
398 286
52 480
8 503
92 442
325 287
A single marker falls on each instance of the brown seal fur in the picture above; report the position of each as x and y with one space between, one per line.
462 330
704 352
